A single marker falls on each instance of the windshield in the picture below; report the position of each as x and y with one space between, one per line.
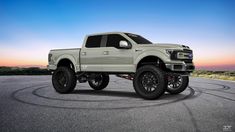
138 39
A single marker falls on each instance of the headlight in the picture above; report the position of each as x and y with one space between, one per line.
169 51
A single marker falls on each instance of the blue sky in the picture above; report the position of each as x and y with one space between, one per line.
207 26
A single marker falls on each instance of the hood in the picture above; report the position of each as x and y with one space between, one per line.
164 45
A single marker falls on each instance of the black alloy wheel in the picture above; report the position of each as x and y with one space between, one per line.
176 83
149 82
100 81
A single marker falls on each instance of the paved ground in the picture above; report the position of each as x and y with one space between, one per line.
29 103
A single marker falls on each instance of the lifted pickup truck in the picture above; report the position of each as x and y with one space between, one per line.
154 68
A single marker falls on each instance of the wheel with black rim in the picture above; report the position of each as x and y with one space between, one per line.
99 82
149 82
64 80
176 83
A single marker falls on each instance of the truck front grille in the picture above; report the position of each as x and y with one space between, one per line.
188 51
174 55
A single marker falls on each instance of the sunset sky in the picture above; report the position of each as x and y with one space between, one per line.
30 28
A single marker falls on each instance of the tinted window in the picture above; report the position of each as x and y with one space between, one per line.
138 39
113 40
93 41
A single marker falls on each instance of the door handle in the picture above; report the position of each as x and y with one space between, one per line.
106 52
83 53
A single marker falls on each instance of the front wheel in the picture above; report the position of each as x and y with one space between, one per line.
176 83
99 82
149 82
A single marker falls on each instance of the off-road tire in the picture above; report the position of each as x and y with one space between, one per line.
140 85
64 80
183 86
102 82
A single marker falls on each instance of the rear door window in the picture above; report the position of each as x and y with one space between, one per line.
93 41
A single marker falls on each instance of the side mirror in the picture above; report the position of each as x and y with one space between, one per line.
124 44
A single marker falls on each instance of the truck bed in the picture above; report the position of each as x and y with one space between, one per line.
72 54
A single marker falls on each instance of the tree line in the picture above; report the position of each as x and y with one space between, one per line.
23 71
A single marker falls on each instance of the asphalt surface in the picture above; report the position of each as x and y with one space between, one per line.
29 103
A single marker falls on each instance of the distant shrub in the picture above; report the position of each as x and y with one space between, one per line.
224 75
23 71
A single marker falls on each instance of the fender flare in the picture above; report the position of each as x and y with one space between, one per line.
68 57
158 54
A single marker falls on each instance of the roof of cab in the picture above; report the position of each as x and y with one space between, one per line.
104 33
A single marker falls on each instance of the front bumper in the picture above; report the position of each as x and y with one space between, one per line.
180 67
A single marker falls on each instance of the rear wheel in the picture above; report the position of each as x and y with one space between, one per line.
64 80
176 83
99 82
149 82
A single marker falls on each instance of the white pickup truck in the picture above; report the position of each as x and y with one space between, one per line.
154 68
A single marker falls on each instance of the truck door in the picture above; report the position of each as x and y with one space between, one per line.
91 54
114 58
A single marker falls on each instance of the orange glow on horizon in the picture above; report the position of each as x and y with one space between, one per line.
214 62
21 62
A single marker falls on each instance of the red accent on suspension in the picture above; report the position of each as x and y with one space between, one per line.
125 76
